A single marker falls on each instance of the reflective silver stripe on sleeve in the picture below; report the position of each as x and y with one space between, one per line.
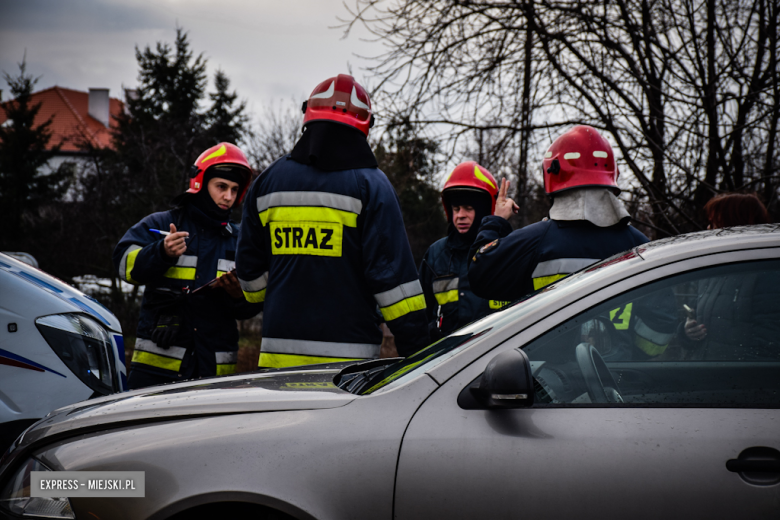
451 284
148 345
395 295
187 261
309 198
225 265
561 266
304 347
659 338
123 263
227 358
258 284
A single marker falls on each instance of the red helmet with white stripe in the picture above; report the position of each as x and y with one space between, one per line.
340 99
580 158
223 154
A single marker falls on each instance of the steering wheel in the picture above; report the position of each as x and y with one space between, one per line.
600 384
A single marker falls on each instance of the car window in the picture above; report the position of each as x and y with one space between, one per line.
707 337
445 348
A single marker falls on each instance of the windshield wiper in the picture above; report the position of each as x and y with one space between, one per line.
354 376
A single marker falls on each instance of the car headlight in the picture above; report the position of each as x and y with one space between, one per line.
16 496
83 345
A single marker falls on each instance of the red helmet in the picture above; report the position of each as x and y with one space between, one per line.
340 99
470 176
223 153
580 157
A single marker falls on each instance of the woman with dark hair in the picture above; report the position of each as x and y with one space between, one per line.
722 325
735 209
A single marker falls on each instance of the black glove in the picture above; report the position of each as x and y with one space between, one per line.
167 330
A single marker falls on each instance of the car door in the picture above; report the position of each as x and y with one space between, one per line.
632 419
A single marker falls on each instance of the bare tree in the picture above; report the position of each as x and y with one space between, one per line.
688 89
467 71
277 130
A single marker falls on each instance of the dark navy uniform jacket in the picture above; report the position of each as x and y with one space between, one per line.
506 264
209 334
448 296
510 264
323 249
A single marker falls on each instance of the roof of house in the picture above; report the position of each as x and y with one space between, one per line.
71 123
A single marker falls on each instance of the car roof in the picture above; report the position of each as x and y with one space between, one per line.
742 237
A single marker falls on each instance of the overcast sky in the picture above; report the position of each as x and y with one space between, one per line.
270 49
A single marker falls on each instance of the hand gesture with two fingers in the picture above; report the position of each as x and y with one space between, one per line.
505 207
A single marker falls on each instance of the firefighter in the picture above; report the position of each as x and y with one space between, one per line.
186 257
468 195
587 223
323 243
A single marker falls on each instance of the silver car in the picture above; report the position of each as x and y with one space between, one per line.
601 396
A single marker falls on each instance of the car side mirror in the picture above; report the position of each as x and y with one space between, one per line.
506 383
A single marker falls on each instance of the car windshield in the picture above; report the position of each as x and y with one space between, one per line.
436 353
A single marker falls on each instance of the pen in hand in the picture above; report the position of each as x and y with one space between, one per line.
174 242
163 233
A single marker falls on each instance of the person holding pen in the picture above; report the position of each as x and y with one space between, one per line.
186 259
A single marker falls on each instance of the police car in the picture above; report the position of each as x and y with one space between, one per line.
58 346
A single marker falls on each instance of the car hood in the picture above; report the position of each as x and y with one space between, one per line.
303 388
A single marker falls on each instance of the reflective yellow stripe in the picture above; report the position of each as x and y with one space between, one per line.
255 297
546 280
269 360
130 264
415 303
181 273
622 321
221 151
310 214
223 370
479 175
496 304
220 273
648 347
307 386
447 297
147 358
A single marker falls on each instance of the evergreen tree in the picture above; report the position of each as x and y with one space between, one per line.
24 183
226 120
409 162
164 129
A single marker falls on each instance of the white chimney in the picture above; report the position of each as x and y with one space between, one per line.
98 104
